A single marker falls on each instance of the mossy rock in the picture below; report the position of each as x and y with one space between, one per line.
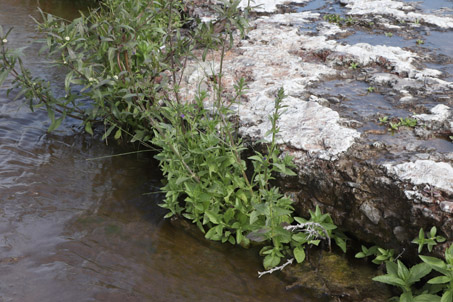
334 277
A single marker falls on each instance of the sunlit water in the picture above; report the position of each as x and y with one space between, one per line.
73 229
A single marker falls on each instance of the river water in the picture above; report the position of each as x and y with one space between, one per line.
74 229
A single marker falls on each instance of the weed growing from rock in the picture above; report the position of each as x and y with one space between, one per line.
412 281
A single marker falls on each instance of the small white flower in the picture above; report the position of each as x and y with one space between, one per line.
5 41
64 62
67 38
115 77
91 79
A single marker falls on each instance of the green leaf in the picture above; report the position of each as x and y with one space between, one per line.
107 133
213 234
299 254
392 268
440 280
181 179
117 134
168 215
360 255
447 296
271 261
55 124
228 215
239 236
88 128
433 231
253 217
435 263
417 272
300 220
341 243
403 272
427 298
212 217
3 76
406 297
390 279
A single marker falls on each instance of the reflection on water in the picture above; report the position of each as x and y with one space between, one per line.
73 229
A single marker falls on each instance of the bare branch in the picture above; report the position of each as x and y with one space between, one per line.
277 268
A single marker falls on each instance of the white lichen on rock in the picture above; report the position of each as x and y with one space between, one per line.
437 174
440 113
397 9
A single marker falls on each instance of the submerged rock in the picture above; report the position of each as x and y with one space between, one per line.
333 277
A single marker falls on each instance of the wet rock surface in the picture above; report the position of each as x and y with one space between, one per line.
332 277
377 60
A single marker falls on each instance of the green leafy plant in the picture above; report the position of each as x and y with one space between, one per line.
394 124
340 21
350 21
445 268
353 65
408 122
420 42
430 241
333 18
409 279
371 89
116 57
389 34
404 278
384 120
381 255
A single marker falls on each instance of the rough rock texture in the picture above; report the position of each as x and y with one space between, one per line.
397 9
329 274
268 5
380 186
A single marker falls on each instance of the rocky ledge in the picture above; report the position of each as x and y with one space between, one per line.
379 184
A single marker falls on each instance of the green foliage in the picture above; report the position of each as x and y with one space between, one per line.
353 65
430 241
408 122
404 278
420 42
322 227
383 120
381 255
445 269
114 57
124 63
340 21
371 89
207 182
438 288
394 124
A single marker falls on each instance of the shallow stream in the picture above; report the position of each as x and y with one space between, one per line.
79 224
74 229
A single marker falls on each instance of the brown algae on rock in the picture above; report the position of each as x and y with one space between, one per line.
332 277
